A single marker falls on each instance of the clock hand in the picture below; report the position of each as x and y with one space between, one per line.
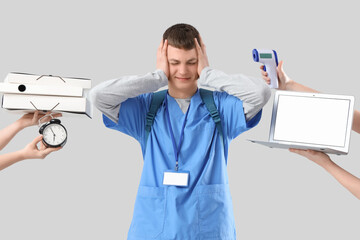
53 134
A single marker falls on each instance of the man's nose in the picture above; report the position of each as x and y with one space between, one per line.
183 69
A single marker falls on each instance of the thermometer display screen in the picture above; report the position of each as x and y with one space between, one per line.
265 55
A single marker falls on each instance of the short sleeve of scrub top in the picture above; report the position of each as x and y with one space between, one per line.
232 115
132 116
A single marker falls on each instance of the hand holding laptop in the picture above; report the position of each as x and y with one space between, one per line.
349 181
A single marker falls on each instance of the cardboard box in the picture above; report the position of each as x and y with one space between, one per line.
26 89
26 78
25 92
79 105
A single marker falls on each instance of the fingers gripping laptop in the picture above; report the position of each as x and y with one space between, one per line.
315 121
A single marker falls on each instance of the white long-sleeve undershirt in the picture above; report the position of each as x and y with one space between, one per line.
108 96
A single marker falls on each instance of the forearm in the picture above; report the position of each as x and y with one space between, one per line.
356 121
253 92
109 95
345 178
294 86
9 132
10 158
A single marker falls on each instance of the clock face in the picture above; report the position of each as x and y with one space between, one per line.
54 135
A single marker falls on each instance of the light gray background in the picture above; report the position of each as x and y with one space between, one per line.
87 190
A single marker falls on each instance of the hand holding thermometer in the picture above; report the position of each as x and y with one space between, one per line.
270 60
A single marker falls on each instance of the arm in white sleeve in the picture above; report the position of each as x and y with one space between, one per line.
253 92
108 96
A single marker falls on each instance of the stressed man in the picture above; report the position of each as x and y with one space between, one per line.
183 191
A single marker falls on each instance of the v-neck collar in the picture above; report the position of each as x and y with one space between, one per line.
175 108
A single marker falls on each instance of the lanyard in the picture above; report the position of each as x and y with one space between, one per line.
176 149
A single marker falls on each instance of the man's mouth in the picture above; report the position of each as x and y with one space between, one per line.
182 78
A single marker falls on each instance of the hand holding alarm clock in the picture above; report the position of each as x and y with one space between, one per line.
54 133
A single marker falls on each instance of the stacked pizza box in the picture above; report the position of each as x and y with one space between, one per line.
29 92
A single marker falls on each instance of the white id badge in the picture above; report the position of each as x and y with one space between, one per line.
176 178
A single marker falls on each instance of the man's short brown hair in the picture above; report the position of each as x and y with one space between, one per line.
181 36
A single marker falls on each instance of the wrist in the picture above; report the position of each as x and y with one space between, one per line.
19 125
203 73
289 85
162 74
325 162
20 155
201 69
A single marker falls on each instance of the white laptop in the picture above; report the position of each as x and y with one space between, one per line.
315 121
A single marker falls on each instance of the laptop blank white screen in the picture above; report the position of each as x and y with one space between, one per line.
311 120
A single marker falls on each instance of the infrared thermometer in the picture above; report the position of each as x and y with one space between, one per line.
270 61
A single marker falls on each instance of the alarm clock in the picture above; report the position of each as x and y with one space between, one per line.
54 133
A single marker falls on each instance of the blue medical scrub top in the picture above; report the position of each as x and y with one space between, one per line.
203 210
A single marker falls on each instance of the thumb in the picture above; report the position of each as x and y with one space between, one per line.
36 140
280 67
35 116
